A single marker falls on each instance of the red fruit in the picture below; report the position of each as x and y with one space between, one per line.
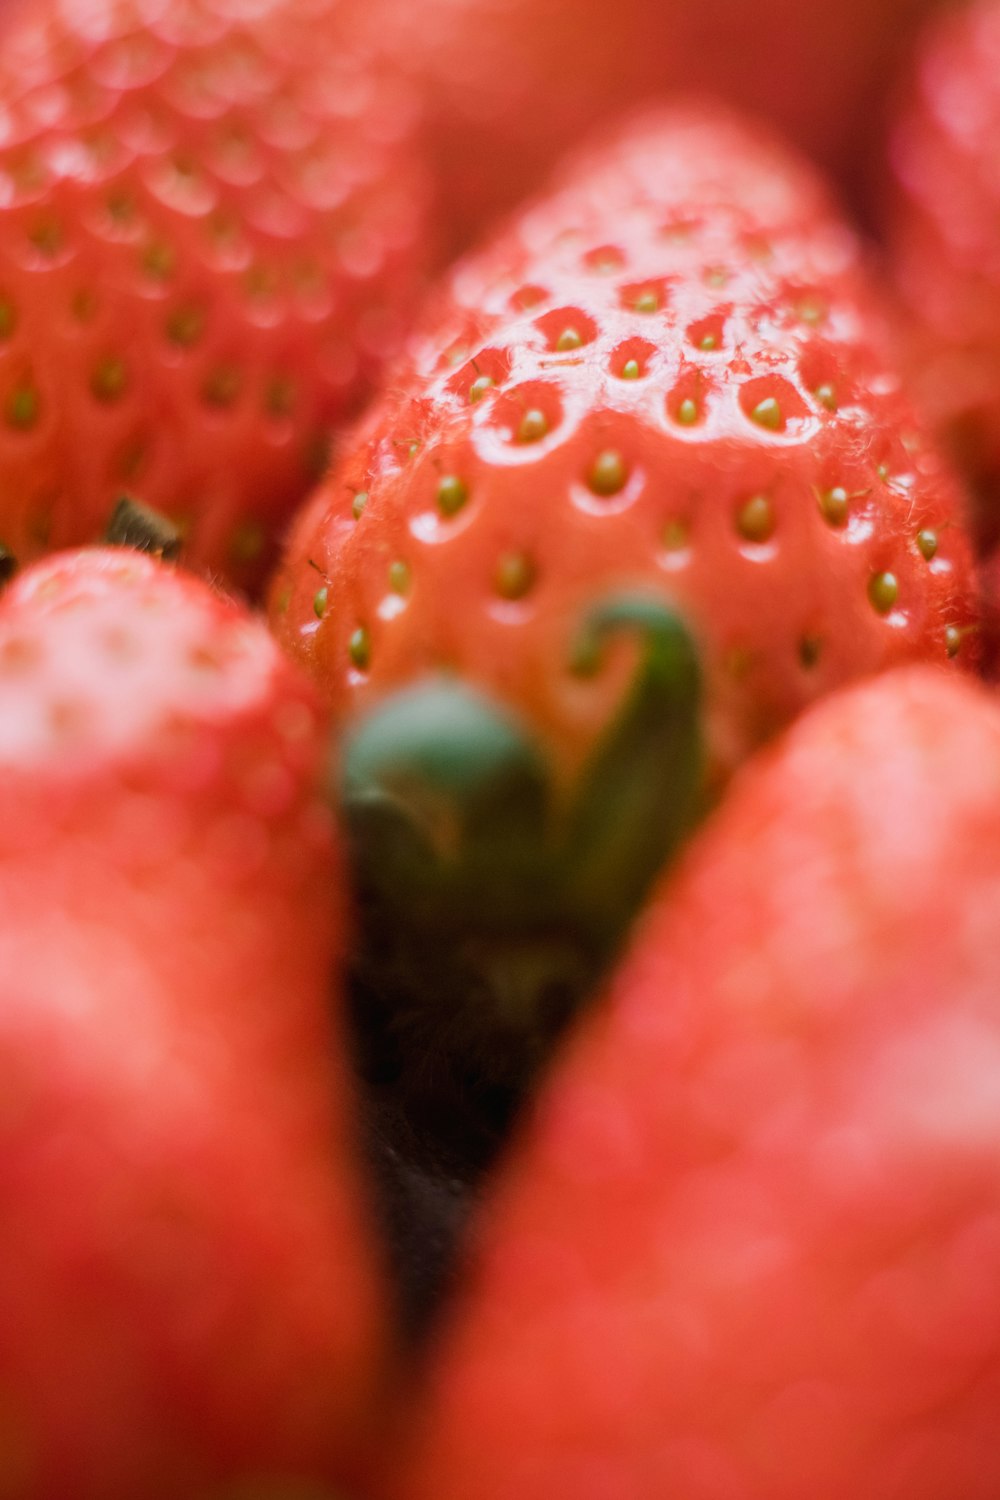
750 1246
508 85
664 395
188 1292
819 72
945 238
211 227
760 470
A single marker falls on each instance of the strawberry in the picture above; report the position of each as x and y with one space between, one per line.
817 72
507 85
944 233
749 1247
211 230
188 1289
665 390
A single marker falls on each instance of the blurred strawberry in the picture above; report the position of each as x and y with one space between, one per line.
188 1292
945 239
508 85
821 73
209 241
750 1245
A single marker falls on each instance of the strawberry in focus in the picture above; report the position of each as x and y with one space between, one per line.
189 1293
666 388
749 1246
212 229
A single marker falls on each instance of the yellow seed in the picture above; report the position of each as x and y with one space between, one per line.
359 648
514 576
452 494
883 591
630 370
767 413
755 519
835 505
22 408
185 326
927 542
533 426
687 412
109 380
608 473
399 577
568 339
221 386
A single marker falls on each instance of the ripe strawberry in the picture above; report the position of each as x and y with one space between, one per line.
668 381
945 238
508 85
750 1247
818 72
210 232
188 1293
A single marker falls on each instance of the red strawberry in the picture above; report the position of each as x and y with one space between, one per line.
820 72
188 1293
211 225
670 381
750 1247
945 237
507 85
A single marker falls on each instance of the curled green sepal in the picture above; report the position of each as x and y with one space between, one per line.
640 792
491 901
445 797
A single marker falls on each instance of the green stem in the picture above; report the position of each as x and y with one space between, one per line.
487 915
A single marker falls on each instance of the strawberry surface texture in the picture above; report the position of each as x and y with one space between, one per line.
944 235
748 1247
190 1298
210 237
672 373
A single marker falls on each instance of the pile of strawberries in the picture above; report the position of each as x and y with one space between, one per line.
499 750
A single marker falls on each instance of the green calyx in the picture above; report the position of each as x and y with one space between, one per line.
490 901
143 530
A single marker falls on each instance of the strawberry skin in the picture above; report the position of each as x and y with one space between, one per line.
211 237
944 233
672 375
507 85
189 1289
749 1247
